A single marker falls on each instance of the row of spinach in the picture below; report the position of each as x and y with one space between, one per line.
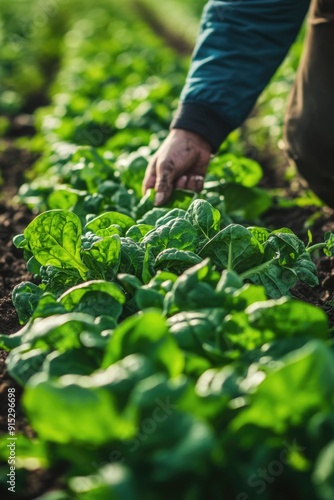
161 352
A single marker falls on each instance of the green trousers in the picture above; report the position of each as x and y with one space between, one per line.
309 122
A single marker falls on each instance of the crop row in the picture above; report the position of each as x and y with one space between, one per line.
161 352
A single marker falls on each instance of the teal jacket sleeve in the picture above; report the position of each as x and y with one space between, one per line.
240 45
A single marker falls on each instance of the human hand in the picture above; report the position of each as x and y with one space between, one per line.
181 162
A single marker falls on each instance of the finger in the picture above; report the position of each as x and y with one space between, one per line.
165 171
150 178
195 183
200 168
181 182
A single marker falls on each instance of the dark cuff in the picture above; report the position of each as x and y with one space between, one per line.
203 120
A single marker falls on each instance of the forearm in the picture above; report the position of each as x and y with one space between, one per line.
240 46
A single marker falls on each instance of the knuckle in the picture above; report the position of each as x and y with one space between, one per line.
167 166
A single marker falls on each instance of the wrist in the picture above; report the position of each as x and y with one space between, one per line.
194 137
203 119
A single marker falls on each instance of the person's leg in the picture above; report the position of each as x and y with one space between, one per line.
309 123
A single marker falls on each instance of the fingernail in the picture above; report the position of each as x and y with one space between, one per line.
159 199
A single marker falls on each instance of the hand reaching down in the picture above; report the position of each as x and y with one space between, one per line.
181 162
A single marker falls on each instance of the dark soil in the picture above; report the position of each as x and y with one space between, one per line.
318 220
13 219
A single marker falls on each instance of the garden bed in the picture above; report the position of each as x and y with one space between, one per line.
164 353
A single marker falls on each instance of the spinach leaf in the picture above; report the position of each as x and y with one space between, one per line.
195 289
236 169
276 279
288 318
132 170
249 203
234 248
289 393
138 231
54 237
95 416
108 223
171 215
100 297
103 257
176 260
177 233
132 258
25 297
152 216
145 334
112 481
196 331
204 218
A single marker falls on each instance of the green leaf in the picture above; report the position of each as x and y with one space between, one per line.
104 224
195 289
54 237
132 258
103 257
145 205
176 260
25 297
23 363
47 306
229 281
302 385
95 419
146 297
64 199
129 282
180 199
94 297
323 474
234 169
247 202
204 218
147 266
286 245
288 318
145 334
60 332
177 233
132 170
234 248
260 233
122 377
329 240
33 266
31 453
56 280
8 342
171 215
306 270
112 481
277 280
80 361
19 241
152 216
194 330
137 232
